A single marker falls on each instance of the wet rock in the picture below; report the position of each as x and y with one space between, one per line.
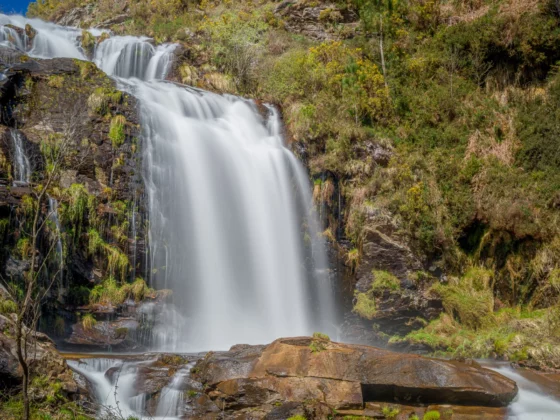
104 334
344 376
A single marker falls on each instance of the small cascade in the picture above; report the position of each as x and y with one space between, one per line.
49 40
532 402
131 57
11 38
53 216
114 382
22 166
172 399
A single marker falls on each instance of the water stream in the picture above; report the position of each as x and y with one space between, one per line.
22 166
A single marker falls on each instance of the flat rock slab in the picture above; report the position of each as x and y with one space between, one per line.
344 376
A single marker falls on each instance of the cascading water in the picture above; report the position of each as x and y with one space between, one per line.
22 166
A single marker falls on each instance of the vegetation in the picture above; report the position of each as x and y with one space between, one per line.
88 321
431 415
383 280
116 131
390 412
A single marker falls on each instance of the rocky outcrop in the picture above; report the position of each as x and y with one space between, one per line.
342 377
318 20
43 359
310 377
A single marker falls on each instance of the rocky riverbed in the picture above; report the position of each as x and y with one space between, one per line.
307 376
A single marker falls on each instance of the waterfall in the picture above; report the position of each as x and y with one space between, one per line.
231 227
113 382
22 166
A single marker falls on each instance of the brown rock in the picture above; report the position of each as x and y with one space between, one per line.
344 377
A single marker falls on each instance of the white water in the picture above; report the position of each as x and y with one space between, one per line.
115 383
531 403
22 166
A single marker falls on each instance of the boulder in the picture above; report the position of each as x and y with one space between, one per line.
104 334
319 21
44 360
344 377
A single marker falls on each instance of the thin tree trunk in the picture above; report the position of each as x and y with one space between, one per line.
558 7
382 53
21 341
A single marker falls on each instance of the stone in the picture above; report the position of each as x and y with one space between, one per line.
316 20
344 376
104 334
45 360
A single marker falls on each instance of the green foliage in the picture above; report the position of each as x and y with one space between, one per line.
111 293
431 415
297 417
383 280
365 306
7 306
88 321
470 300
117 261
108 293
321 336
390 412
56 81
117 131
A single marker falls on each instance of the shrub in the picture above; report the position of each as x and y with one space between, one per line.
88 321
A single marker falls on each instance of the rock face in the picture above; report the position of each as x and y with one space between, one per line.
320 21
44 360
342 377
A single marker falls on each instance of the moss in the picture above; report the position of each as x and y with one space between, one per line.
365 306
383 280
56 81
297 417
431 415
116 131
390 412
321 336
7 306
